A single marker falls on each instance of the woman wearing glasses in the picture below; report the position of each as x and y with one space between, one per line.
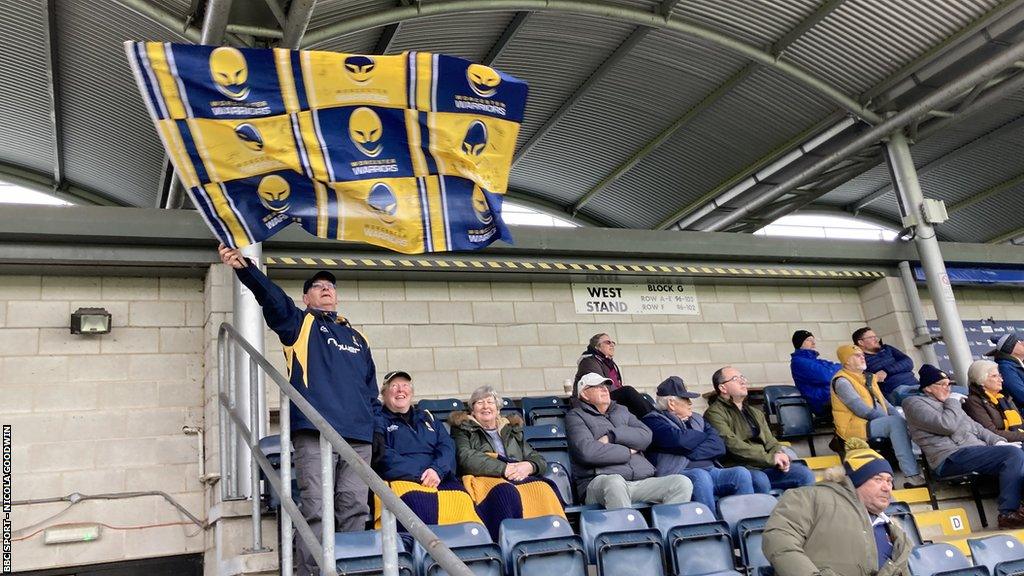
599 358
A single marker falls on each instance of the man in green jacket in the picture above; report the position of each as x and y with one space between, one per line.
748 439
839 526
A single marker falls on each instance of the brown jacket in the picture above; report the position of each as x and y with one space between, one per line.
984 412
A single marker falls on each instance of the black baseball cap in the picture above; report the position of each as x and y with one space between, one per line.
321 275
396 374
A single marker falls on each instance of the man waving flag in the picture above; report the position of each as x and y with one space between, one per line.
410 152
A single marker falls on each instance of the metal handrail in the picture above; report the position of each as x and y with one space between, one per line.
233 428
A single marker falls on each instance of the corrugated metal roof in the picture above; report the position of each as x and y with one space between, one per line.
468 36
26 131
326 12
110 143
555 55
864 41
362 42
638 98
757 23
750 121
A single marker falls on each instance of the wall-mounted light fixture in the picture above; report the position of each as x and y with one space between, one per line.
90 321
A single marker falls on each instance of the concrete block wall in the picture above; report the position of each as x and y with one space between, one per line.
525 338
103 414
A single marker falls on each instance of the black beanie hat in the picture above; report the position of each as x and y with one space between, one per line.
799 336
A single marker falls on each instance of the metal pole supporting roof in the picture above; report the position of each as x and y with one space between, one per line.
951 90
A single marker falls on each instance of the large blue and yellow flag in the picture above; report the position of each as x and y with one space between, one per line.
410 152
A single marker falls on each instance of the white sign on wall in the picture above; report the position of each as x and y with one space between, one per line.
652 298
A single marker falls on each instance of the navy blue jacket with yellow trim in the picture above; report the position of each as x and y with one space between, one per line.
413 444
329 362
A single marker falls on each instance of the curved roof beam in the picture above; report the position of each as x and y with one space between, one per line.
708 101
982 102
936 99
600 10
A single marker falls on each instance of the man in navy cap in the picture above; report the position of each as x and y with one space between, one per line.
1009 354
955 444
683 443
330 364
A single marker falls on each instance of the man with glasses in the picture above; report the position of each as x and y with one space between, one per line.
748 439
598 358
893 370
823 529
955 444
330 364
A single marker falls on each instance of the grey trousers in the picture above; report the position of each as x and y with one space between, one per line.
614 491
351 509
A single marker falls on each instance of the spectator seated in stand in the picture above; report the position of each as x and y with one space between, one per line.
748 439
415 454
821 529
987 404
684 443
500 470
599 359
606 444
812 375
954 444
1009 355
893 370
861 411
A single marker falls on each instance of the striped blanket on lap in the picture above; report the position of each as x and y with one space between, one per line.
497 499
447 504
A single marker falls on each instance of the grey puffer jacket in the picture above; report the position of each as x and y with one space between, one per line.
942 428
590 458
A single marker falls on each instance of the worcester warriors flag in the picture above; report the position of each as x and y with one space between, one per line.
410 152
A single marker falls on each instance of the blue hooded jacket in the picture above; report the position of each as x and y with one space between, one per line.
413 444
329 362
813 377
899 368
677 445
1013 376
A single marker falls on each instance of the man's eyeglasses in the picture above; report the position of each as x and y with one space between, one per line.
737 377
323 286
945 384
869 338
606 342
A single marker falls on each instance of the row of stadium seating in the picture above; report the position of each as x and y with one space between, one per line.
681 539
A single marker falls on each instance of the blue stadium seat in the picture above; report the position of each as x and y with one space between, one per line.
942 559
509 409
441 408
746 514
619 542
471 542
546 435
696 543
543 409
790 412
541 546
900 512
1002 554
359 553
772 395
558 474
271 448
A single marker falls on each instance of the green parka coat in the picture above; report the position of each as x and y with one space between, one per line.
472 445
